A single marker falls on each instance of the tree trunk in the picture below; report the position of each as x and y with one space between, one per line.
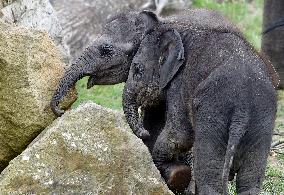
273 41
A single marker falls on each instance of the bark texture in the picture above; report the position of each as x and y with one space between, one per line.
273 41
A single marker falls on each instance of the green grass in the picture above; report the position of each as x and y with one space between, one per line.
248 18
108 96
274 178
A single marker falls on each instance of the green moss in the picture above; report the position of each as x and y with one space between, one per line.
25 185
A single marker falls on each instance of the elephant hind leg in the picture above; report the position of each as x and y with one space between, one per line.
209 153
251 173
208 166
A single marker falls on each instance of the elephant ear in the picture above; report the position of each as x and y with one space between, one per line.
172 56
150 18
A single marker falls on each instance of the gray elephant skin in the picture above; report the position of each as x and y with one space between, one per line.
220 97
273 35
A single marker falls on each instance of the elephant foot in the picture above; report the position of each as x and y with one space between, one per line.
179 177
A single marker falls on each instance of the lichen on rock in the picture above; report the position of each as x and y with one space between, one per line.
39 15
30 68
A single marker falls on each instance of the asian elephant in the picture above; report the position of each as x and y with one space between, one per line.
220 98
107 60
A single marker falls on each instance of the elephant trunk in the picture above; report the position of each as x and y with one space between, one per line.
84 66
66 83
130 108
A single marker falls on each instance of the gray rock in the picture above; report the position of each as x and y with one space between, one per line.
90 150
30 69
36 14
82 20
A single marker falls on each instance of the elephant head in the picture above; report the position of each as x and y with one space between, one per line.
157 61
107 60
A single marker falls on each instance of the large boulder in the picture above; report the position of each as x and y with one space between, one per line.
30 69
82 20
36 14
89 150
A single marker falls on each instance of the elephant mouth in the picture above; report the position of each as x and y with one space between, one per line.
91 82
108 77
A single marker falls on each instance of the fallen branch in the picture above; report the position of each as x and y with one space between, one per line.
278 134
278 152
275 144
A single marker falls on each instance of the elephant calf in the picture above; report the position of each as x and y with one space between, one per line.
220 96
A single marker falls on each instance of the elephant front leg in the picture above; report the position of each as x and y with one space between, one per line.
175 138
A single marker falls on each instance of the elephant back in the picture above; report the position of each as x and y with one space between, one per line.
202 19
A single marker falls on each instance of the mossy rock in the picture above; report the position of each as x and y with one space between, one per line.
89 150
30 69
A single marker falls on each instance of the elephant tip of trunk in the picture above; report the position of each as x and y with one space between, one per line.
89 86
56 110
91 82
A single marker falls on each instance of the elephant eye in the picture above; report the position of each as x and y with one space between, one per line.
106 50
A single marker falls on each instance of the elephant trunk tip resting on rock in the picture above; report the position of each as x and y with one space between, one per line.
219 96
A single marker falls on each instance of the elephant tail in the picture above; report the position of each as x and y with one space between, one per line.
236 132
